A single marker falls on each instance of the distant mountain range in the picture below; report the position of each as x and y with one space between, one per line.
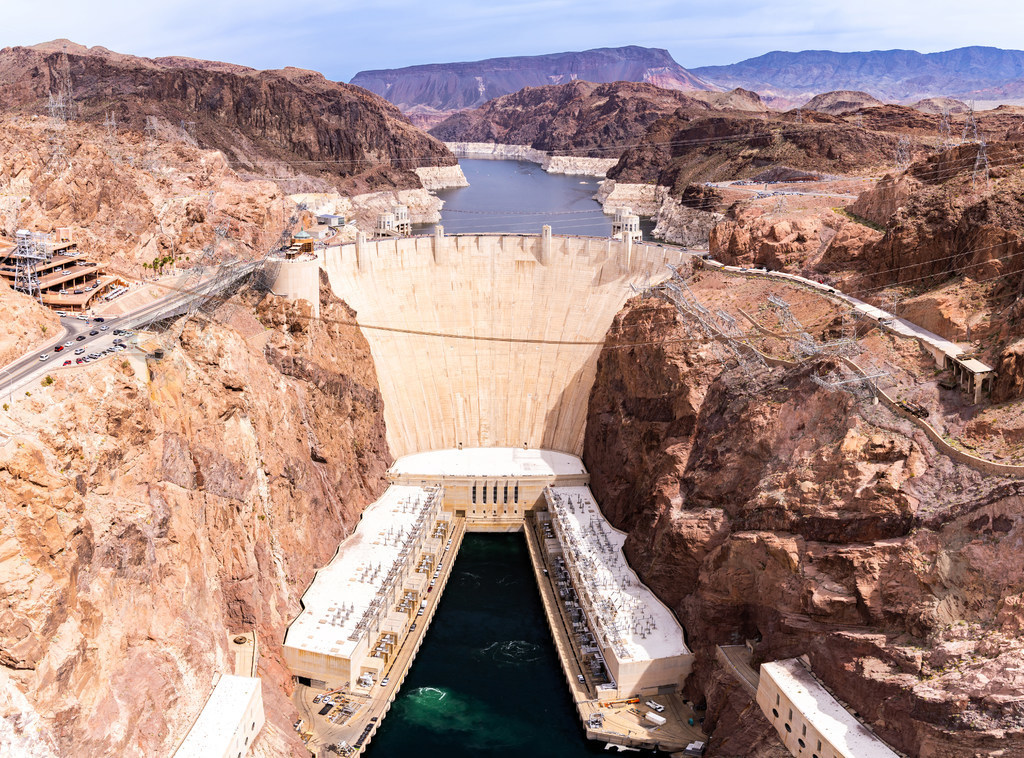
440 88
982 73
429 93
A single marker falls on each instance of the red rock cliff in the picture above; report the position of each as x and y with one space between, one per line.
149 510
819 524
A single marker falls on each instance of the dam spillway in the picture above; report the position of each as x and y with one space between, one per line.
489 340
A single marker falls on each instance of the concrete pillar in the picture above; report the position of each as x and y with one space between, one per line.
627 243
440 251
361 262
545 244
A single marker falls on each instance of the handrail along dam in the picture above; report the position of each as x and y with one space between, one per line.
486 347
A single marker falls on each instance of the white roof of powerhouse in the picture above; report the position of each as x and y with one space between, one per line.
212 732
645 628
345 587
822 711
490 462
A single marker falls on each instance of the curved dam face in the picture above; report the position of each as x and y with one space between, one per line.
489 340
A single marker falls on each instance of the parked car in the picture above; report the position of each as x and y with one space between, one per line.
67 363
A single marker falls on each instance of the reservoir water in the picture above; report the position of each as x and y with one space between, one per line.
518 197
487 681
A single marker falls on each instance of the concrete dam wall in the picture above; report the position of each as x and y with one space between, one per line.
489 340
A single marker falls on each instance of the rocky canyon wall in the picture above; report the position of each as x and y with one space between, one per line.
151 508
816 523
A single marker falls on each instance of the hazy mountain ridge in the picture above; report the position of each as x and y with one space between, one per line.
447 87
984 73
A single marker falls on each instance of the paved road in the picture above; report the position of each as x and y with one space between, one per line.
28 368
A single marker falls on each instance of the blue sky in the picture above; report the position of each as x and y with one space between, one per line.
341 38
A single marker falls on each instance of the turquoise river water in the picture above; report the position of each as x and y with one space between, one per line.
487 681
517 196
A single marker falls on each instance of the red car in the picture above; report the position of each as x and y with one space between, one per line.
58 348
67 363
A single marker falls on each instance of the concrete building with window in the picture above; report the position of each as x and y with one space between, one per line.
810 721
229 722
492 487
361 604
641 643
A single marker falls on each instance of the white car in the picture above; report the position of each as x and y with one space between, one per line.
44 356
80 317
69 344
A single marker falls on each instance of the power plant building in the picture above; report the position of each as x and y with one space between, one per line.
641 642
359 605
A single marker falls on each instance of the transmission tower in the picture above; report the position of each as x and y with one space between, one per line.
28 254
110 136
834 381
149 162
721 330
945 133
188 130
980 167
903 153
970 132
61 107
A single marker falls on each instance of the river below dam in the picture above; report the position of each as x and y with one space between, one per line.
487 681
518 197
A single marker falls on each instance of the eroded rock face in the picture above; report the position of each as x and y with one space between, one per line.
290 122
818 524
151 509
687 148
1010 374
817 242
582 117
124 215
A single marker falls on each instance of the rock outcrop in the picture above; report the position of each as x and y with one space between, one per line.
287 123
684 149
815 523
809 244
26 325
150 508
579 118
842 101
124 215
